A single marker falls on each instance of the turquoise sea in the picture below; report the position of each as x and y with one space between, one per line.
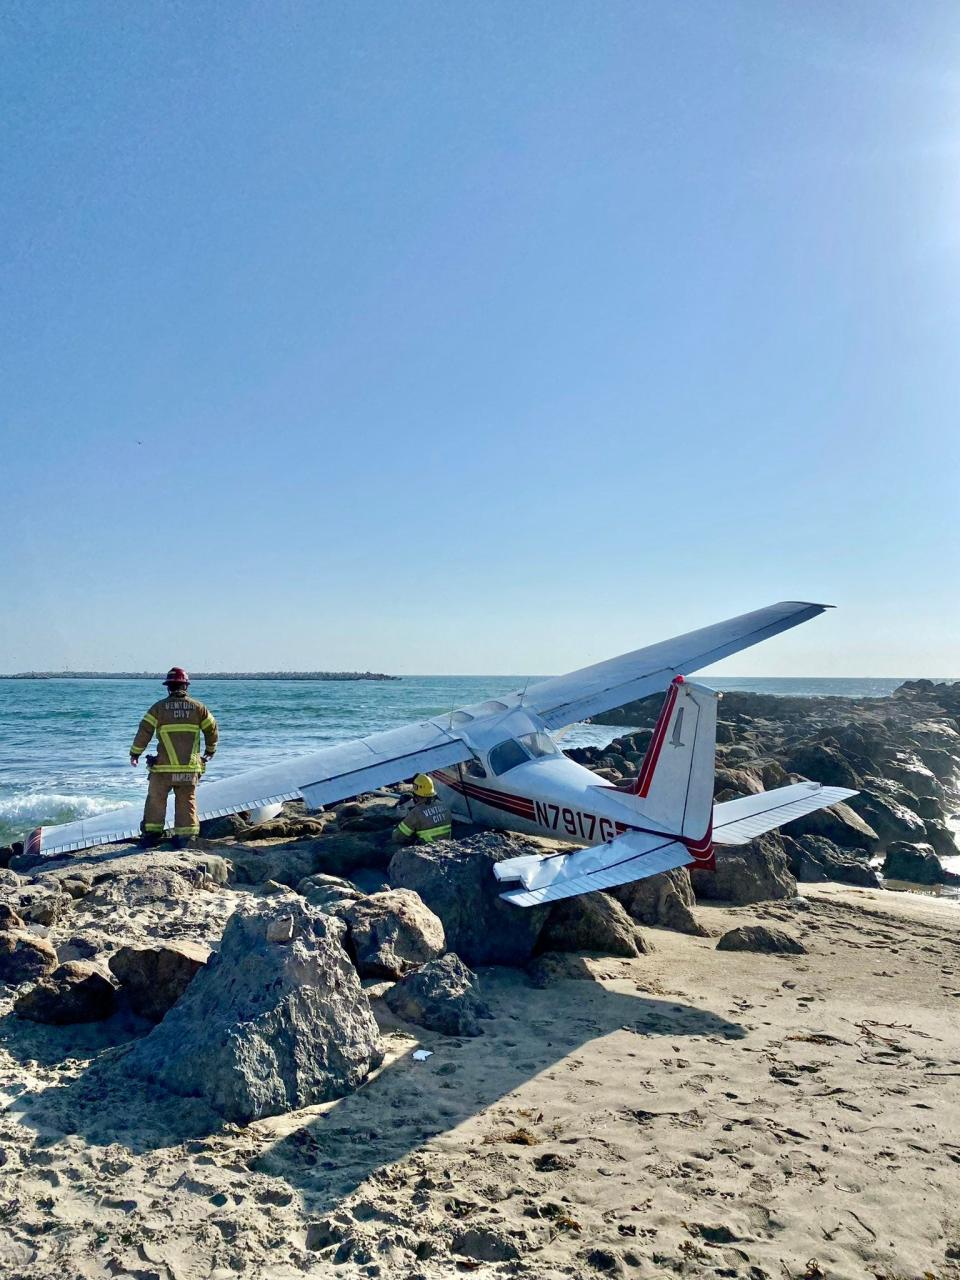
63 742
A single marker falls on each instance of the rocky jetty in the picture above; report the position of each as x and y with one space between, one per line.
902 753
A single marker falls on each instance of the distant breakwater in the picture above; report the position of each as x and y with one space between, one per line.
201 675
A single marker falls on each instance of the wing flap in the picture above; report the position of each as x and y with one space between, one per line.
741 820
632 856
606 685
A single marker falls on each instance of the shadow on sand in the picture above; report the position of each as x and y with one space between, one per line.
401 1108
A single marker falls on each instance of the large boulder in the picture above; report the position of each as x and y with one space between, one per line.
760 937
24 957
823 762
441 996
838 824
665 899
592 922
456 881
914 862
276 1020
907 768
891 820
811 859
754 872
285 863
339 854
230 826
10 918
75 992
326 891
391 933
941 837
154 978
285 826
743 782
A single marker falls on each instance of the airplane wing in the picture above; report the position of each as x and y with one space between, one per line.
741 820
323 777
584 693
632 856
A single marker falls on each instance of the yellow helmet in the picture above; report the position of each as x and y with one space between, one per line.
423 786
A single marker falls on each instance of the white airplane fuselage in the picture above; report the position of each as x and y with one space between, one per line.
552 796
520 780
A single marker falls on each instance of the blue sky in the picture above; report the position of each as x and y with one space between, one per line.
477 337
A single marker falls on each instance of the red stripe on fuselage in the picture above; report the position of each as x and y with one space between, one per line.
522 807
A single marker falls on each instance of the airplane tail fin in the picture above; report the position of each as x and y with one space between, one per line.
673 791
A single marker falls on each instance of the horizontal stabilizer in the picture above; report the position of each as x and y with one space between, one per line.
741 820
632 856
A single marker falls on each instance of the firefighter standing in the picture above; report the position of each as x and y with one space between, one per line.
428 818
178 722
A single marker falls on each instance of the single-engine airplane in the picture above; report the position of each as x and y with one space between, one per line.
497 765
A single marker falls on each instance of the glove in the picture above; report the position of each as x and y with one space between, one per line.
134 760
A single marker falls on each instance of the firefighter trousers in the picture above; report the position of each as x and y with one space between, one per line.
184 787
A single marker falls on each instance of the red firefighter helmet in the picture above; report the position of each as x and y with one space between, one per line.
176 675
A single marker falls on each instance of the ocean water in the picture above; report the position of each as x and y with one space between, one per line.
64 743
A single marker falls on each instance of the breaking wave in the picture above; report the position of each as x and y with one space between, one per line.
20 814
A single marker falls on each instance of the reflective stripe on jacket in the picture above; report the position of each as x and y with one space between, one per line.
427 821
178 723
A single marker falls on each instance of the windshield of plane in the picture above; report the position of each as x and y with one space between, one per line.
506 755
539 744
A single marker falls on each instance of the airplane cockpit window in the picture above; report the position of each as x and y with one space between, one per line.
506 755
540 744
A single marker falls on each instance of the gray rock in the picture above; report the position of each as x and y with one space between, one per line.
41 907
823 762
10 918
891 820
286 863
369 879
665 899
327 891
24 957
266 1027
75 992
917 863
285 827
457 883
812 859
754 872
231 826
340 854
154 978
760 937
558 966
592 922
75 887
441 996
838 824
941 837
743 782
9 879
391 933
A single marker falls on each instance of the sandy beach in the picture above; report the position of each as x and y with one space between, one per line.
688 1111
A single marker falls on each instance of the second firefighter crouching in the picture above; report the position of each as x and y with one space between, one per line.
178 721
427 819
